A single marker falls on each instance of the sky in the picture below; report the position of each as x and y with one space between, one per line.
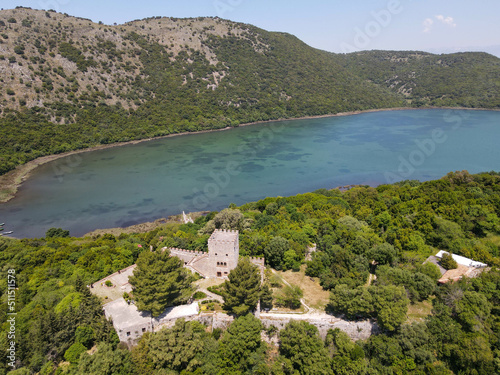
438 26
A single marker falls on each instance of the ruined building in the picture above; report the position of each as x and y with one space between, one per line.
222 256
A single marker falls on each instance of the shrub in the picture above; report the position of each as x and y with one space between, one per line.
19 49
290 297
57 232
217 333
215 289
108 283
74 351
199 295
85 336
447 262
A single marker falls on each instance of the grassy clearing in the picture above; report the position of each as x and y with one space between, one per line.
205 283
314 295
419 311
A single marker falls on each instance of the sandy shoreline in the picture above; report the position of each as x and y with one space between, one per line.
11 181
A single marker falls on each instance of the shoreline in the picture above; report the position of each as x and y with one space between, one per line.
12 180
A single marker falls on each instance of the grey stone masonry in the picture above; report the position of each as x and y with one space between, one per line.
223 252
222 256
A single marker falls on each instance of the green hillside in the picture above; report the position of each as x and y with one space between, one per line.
464 79
58 320
69 83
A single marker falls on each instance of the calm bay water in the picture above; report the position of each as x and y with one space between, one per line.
136 183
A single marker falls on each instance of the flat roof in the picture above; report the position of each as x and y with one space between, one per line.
462 260
224 235
125 315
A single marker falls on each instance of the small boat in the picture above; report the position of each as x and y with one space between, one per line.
1 225
3 234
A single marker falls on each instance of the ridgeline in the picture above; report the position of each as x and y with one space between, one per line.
69 83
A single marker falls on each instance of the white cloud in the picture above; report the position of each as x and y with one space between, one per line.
446 20
429 22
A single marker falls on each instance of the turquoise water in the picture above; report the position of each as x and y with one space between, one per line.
136 183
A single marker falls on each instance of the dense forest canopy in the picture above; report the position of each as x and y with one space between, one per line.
70 84
395 227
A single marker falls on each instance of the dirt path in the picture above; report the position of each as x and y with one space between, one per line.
211 295
302 300
371 279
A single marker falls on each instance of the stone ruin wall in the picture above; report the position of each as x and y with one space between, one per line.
356 330
185 255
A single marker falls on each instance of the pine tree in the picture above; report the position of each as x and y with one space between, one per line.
447 262
159 281
301 344
242 291
266 297
241 349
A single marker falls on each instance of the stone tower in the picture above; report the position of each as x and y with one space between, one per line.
223 252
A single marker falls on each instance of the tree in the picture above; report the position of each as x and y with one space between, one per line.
290 297
56 232
414 340
383 253
241 292
473 309
74 351
275 251
85 336
430 269
180 347
229 218
301 344
422 286
388 303
266 297
106 361
355 303
241 348
348 358
159 281
447 262
291 260
391 306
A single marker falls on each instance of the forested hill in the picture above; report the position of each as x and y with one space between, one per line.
69 83
464 79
